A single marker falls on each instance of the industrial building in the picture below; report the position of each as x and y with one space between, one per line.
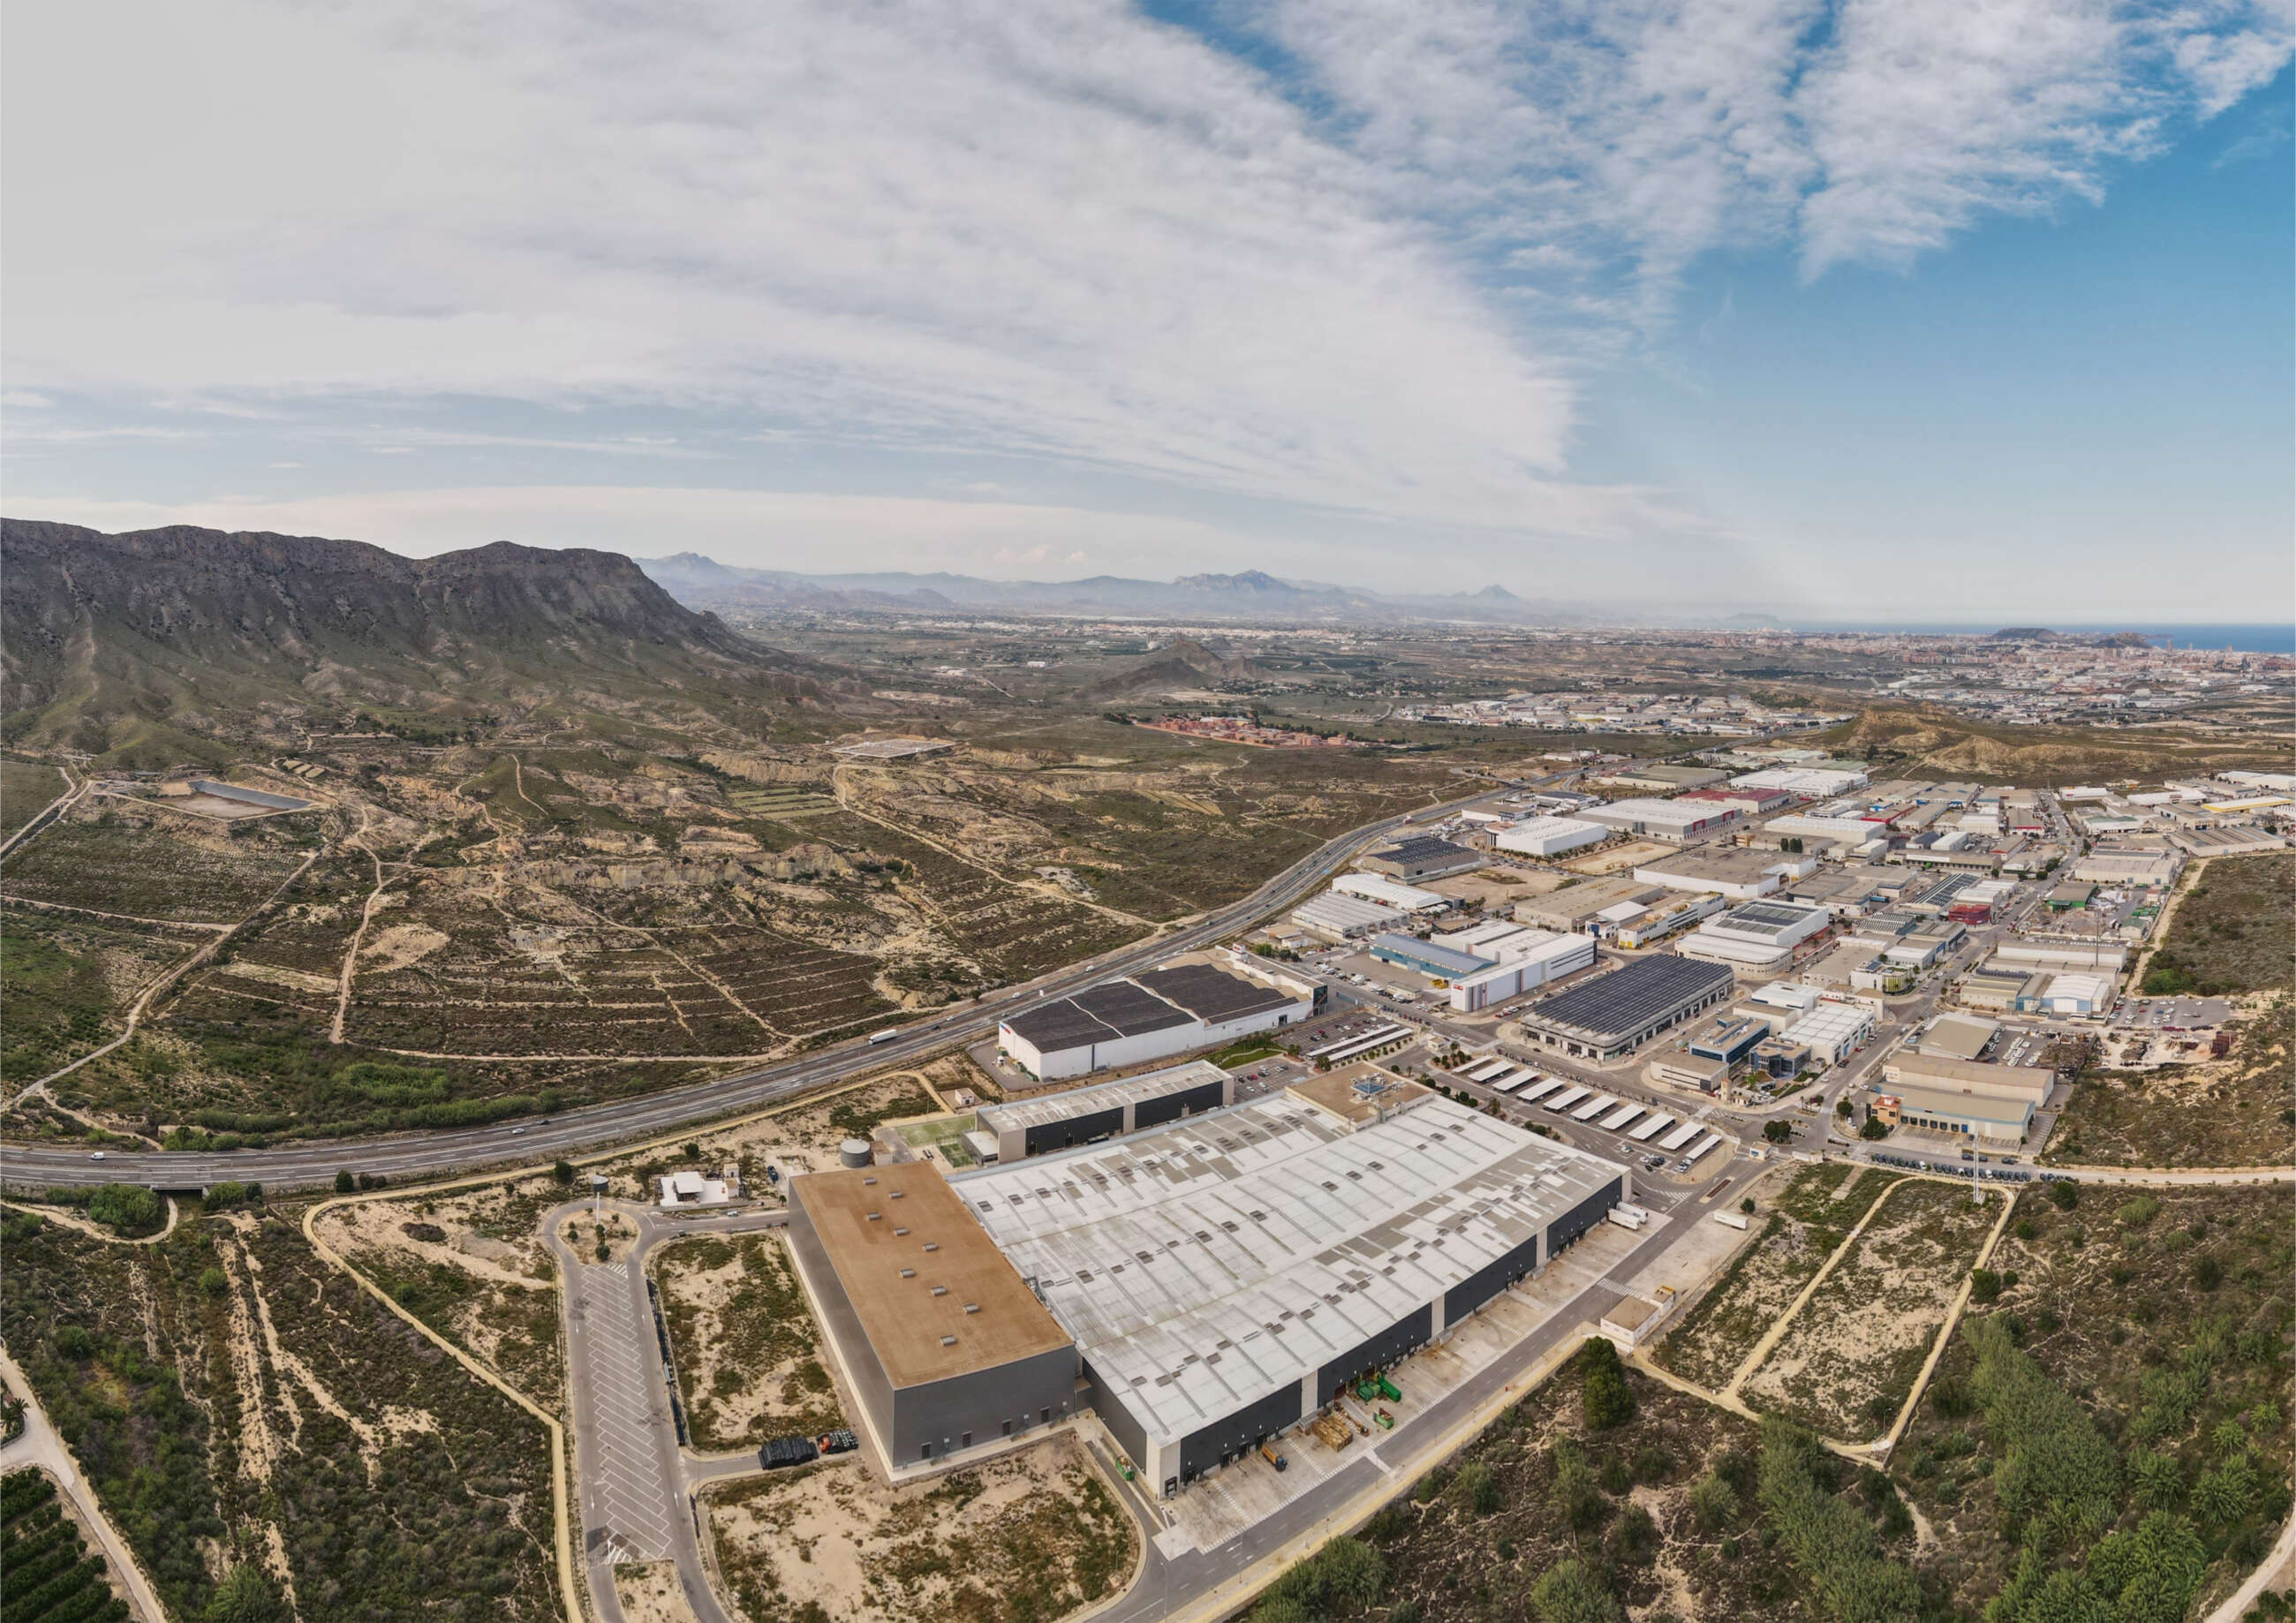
1741 874
1526 967
1675 821
1959 1036
1336 916
1833 1031
1664 778
1224 1276
1438 962
1816 783
1636 928
2130 867
1087 1115
1756 936
1730 1039
1550 836
1149 1015
1993 1102
1813 831
1577 907
1424 858
1615 1013
943 1344
1378 887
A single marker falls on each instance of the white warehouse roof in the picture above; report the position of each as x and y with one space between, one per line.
1347 915
1395 893
1207 1265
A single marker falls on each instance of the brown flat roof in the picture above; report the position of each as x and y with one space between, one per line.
860 1215
1336 1091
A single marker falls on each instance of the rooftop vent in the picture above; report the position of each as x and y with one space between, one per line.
899 1231
948 1341
908 1272
933 1245
941 1289
875 1216
973 1306
868 1183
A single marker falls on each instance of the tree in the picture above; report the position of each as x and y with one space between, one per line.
1714 1502
2225 1495
1477 1487
1777 1131
1609 1401
1747 1206
1568 1592
245 1596
2155 1481
1984 1285
2065 1596
562 1171
125 1209
345 1183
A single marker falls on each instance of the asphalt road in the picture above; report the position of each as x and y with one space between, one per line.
635 1481
444 1152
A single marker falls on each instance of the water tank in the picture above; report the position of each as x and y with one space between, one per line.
853 1153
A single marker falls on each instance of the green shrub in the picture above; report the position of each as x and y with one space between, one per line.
1713 1501
246 1595
1984 1285
2138 1212
125 1209
2064 1194
1568 1591
1346 1575
1607 1398
1476 1487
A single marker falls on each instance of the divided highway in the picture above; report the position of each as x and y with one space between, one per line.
444 1152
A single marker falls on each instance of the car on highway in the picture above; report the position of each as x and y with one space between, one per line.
95 1155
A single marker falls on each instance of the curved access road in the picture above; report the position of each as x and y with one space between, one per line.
446 1150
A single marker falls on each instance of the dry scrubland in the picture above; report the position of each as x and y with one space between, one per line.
2235 1112
2134 1366
241 1406
802 1138
2234 929
1026 1539
25 787
1913 742
1846 1364
1807 1220
528 928
470 1264
1664 1511
747 1351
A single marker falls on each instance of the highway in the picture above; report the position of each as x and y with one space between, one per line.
443 1152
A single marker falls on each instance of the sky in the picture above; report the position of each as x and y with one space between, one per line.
1918 309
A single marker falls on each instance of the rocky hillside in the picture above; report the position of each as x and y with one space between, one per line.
196 630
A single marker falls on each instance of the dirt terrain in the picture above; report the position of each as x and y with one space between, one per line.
2235 1112
1803 1224
1847 1363
747 1351
1030 1535
472 1266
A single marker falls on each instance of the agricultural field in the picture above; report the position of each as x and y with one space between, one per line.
1846 1364
55 1575
156 864
1582 1509
1807 1219
239 1405
25 788
71 980
2128 1389
1027 1537
2234 931
2235 1112
747 1351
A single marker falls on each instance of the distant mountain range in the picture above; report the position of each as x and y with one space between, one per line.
1251 595
166 635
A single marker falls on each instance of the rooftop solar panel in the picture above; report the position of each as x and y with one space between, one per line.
1127 1008
1628 998
1058 1024
1426 848
1211 994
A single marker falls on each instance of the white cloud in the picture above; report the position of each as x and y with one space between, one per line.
1639 133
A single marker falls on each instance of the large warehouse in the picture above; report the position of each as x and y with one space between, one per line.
1678 821
1336 916
1150 1015
1423 857
1085 1115
1550 836
944 1344
1616 1013
1757 936
1225 1275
